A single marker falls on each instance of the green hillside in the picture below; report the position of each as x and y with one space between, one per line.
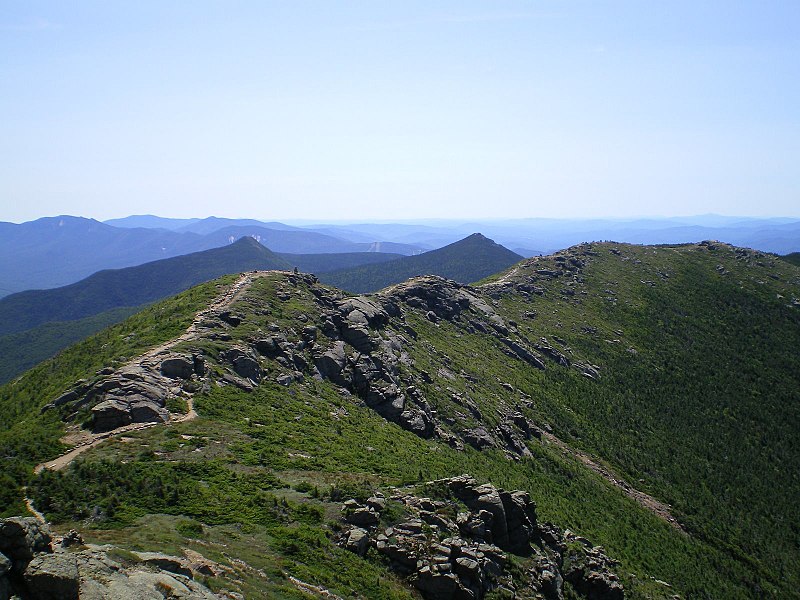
615 384
793 258
467 260
21 351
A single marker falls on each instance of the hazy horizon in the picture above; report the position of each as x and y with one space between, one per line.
308 222
388 112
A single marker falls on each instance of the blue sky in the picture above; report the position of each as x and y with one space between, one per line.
399 110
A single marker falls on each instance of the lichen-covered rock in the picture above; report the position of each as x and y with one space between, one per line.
21 538
53 577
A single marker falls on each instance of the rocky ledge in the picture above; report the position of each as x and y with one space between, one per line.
456 543
34 566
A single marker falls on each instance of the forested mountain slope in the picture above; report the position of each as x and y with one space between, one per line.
467 260
793 258
619 386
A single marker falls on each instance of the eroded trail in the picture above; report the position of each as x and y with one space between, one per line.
658 508
84 440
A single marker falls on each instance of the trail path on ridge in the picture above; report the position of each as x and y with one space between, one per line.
85 440
225 300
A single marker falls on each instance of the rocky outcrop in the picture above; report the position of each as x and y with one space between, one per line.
590 571
447 552
32 567
244 365
364 358
21 538
132 394
177 367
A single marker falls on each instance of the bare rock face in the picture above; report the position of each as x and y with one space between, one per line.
243 364
118 412
590 571
132 394
479 438
332 362
364 359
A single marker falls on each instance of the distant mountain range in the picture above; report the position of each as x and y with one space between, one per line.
465 261
543 236
56 251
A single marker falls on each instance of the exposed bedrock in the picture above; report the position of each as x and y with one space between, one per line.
447 552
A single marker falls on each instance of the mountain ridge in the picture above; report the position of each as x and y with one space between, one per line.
651 361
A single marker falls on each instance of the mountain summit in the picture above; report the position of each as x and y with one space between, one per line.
467 260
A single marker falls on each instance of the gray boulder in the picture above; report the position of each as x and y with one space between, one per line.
177 367
521 523
590 572
358 337
357 541
148 412
110 414
331 363
21 538
143 585
479 438
53 577
243 365
363 310
363 517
